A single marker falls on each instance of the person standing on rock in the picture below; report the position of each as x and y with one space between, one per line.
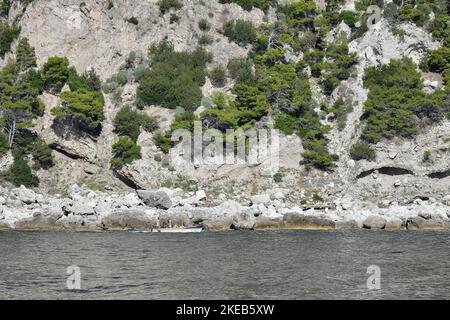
158 224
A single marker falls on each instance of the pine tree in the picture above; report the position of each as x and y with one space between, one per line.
18 102
55 74
26 56
20 173
125 152
42 155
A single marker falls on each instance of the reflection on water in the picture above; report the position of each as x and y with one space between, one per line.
228 265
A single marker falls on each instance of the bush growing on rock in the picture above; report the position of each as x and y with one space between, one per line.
218 76
7 35
332 65
20 173
4 145
240 70
34 78
25 56
125 151
249 4
42 155
362 150
19 102
82 110
174 18
163 141
205 39
438 60
204 25
175 78
300 14
396 100
341 110
55 73
133 20
88 80
415 13
427 156
240 31
278 177
349 17
167 5
128 122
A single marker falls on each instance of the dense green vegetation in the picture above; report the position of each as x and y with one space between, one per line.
218 76
267 82
282 86
249 4
20 85
19 101
7 35
167 5
240 31
42 155
340 110
396 102
81 110
88 80
331 65
362 150
55 73
125 151
175 78
128 122
20 172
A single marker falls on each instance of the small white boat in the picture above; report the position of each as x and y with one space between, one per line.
173 230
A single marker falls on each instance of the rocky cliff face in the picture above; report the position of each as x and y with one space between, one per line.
94 36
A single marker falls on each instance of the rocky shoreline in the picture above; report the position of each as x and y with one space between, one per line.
84 209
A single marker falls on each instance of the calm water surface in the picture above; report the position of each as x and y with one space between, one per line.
228 265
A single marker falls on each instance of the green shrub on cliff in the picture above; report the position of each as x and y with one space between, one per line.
249 4
125 151
55 73
396 101
129 122
175 78
7 35
240 31
167 5
42 155
4 145
362 150
82 110
438 60
20 173
25 55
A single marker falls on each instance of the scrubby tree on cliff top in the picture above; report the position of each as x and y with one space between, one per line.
26 56
396 101
81 109
7 35
249 4
125 152
55 73
175 78
19 103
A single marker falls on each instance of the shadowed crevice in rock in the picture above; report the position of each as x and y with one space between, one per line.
439 174
390 171
58 148
127 181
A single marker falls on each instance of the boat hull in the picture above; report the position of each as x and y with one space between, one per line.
173 230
